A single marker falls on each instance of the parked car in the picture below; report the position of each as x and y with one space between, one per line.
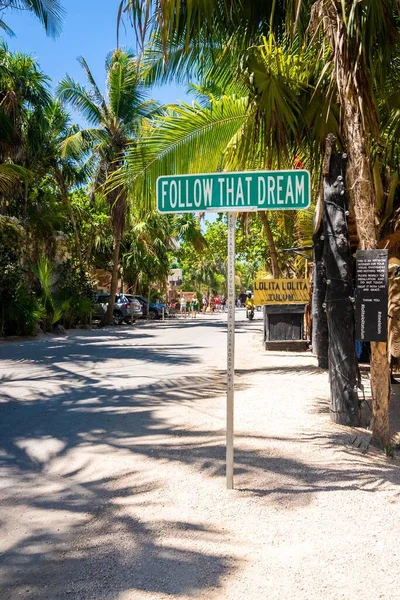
155 308
126 309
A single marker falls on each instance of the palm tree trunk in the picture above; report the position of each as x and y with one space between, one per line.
361 183
360 180
271 244
114 277
67 204
135 285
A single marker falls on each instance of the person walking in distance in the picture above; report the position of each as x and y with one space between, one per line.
183 306
204 304
193 306
212 304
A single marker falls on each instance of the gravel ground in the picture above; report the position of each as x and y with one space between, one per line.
112 462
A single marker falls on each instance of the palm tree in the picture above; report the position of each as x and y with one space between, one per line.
364 48
357 43
49 12
146 246
24 97
24 90
116 121
69 171
258 124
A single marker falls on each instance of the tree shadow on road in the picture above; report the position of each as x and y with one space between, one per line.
90 532
128 419
354 436
80 540
98 551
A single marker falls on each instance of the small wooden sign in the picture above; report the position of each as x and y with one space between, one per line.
372 295
281 291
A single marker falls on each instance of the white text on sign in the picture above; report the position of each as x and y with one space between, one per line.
270 190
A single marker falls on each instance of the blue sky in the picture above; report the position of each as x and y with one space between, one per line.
89 30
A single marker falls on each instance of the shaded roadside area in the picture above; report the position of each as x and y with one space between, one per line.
112 457
59 414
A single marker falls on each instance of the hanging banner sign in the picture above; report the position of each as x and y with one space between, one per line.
281 291
239 192
372 295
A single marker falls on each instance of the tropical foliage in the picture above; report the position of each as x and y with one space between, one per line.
49 12
116 121
272 80
348 52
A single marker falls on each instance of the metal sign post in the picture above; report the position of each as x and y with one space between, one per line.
230 367
232 193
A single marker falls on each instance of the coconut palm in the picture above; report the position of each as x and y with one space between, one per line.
258 124
150 239
49 12
24 91
147 244
357 43
364 55
69 171
24 97
116 120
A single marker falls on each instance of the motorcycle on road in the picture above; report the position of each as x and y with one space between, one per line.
250 313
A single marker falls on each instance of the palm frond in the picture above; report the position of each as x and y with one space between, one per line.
49 12
11 175
182 64
79 98
199 20
4 27
98 96
125 91
190 139
81 142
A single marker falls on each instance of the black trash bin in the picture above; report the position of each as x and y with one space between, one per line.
284 327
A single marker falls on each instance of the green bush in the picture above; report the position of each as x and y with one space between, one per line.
44 295
20 310
66 293
76 287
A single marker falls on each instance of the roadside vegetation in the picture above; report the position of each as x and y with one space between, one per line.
73 205
270 84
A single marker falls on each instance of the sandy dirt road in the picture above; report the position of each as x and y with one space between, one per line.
112 455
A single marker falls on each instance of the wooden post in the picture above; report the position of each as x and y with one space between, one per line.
319 340
339 299
320 335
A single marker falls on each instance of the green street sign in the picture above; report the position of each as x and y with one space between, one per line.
240 192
